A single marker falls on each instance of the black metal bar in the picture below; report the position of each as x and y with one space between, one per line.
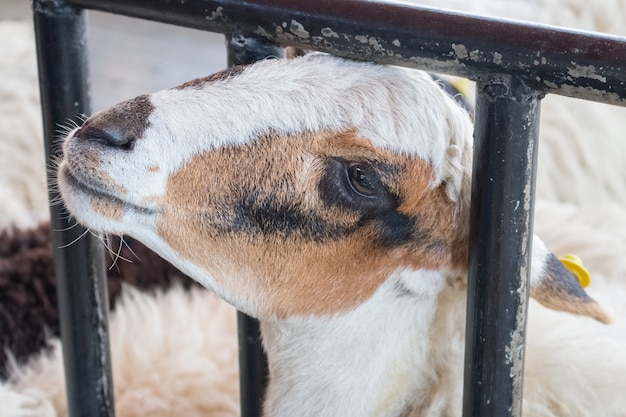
505 156
253 369
567 62
78 256
244 48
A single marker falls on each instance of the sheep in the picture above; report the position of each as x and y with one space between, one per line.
329 199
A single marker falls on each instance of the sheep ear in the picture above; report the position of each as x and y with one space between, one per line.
556 287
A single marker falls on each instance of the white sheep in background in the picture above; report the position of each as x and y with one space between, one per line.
23 180
337 215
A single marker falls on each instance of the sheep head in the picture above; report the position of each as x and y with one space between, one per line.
289 187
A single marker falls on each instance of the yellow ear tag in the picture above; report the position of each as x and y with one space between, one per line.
575 265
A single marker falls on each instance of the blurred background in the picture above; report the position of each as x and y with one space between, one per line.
129 56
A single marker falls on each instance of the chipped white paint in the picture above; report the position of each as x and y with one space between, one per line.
217 13
497 58
585 71
329 33
377 46
361 38
262 32
297 29
475 55
396 42
460 51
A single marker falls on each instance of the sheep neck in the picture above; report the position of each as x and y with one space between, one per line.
371 361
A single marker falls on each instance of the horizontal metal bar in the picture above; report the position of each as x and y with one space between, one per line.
567 62
78 255
505 160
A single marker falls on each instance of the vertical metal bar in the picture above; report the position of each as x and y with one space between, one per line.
78 256
245 49
505 156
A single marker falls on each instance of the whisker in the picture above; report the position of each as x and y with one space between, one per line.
67 228
131 250
116 255
75 240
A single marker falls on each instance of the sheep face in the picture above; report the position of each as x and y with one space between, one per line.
289 188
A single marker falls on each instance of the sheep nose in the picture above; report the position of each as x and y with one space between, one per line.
113 138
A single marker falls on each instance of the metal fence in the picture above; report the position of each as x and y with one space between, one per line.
514 65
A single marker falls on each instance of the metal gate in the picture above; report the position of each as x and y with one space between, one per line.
513 64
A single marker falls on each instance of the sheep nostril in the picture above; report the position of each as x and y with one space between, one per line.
110 138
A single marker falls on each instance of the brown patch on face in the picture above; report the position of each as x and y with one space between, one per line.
113 210
218 76
277 224
560 290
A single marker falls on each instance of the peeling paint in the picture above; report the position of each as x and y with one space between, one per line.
460 51
361 38
298 30
217 13
497 58
475 55
262 32
445 67
374 42
329 33
589 93
396 42
585 71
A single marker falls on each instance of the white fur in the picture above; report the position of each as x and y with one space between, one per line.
575 351
370 361
311 94
182 361
319 364
571 360
23 180
395 108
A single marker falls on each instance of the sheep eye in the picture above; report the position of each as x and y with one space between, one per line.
362 178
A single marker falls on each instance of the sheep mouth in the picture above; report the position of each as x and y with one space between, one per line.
80 186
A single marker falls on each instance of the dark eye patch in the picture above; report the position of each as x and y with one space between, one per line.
255 214
379 208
